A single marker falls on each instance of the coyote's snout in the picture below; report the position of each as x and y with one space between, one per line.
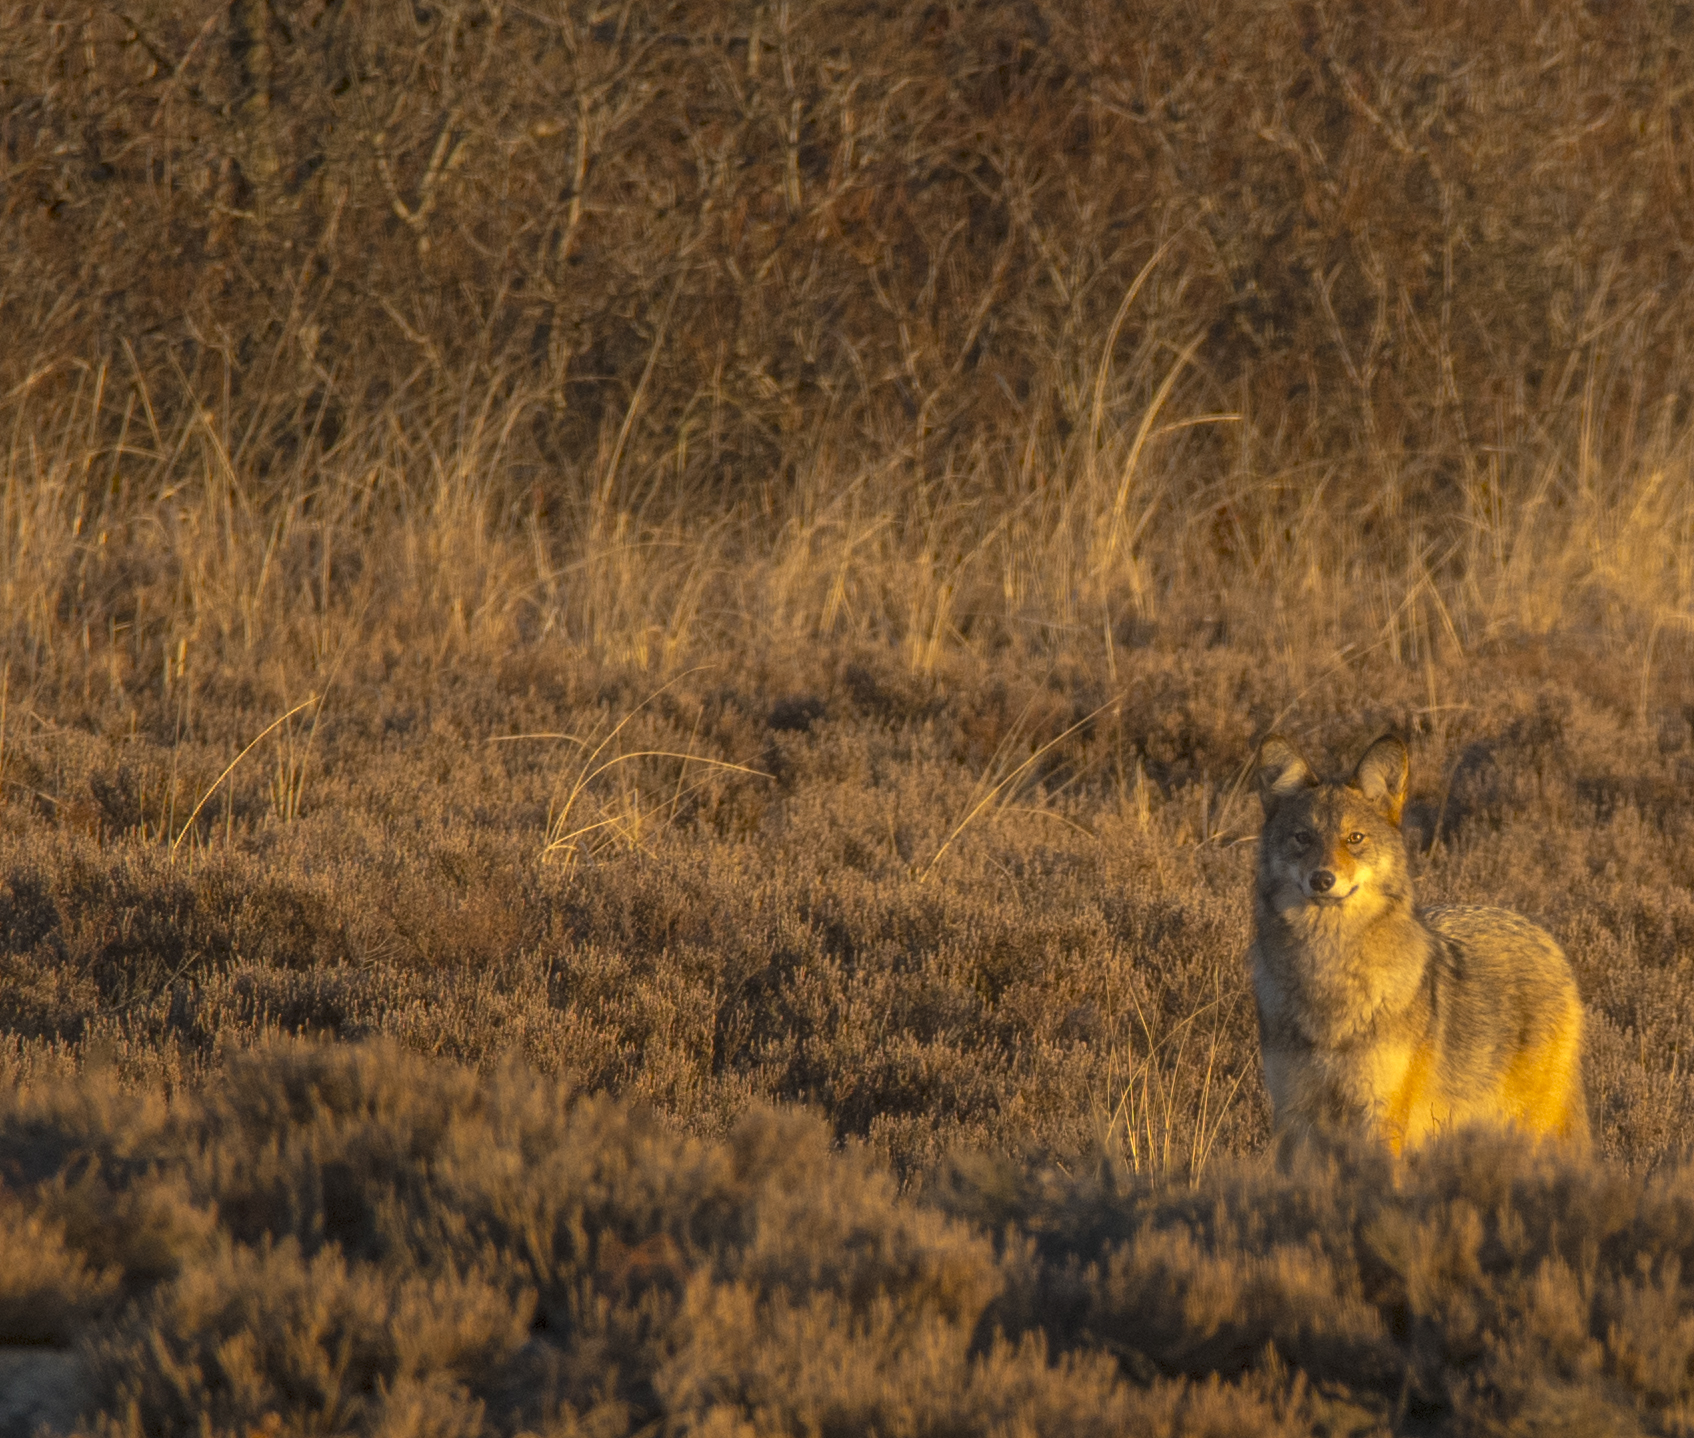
1376 1016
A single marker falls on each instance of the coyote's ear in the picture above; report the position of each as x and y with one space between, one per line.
1381 776
1282 772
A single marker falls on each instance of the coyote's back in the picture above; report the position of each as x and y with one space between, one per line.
1375 1016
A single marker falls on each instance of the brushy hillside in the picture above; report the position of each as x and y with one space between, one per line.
728 560
358 1240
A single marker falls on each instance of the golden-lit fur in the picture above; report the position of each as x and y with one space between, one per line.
1376 1016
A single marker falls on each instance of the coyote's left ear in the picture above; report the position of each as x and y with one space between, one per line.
1381 776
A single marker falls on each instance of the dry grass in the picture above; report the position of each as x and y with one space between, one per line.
737 555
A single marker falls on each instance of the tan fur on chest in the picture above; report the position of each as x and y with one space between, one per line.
1386 1086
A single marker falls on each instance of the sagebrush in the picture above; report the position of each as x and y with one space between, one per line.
358 1239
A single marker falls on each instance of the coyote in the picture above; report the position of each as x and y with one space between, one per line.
1379 1017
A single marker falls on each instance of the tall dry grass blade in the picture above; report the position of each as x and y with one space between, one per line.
1145 1117
229 769
1097 408
995 790
1132 464
558 838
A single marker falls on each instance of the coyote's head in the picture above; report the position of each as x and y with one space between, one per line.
1332 844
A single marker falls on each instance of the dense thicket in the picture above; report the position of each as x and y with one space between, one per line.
724 240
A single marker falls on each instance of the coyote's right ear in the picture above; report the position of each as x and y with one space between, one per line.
1282 773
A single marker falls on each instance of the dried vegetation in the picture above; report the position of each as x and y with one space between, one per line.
576 578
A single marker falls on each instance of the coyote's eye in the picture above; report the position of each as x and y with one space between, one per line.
1355 838
1299 839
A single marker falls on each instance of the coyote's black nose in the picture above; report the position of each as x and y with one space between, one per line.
1322 881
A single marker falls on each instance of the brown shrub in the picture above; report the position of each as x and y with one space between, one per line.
398 1242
